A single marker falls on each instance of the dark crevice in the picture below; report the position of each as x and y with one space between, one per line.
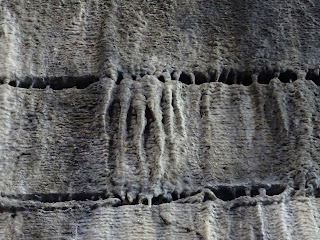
175 196
226 76
224 193
254 191
232 77
275 190
317 193
184 195
185 78
244 78
59 197
56 83
265 76
147 130
2 80
145 202
159 200
200 78
288 76
119 78
313 76
13 83
39 83
239 192
161 78
127 202
25 84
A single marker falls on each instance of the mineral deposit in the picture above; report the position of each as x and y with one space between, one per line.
147 119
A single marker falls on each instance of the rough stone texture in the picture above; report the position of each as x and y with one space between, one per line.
62 38
159 119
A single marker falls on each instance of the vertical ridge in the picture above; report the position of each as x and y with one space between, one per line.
206 136
305 221
277 97
153 98
122 167
259 222
213 221
107 101
178 109
241 224
139 104
169 122
277 225
303 130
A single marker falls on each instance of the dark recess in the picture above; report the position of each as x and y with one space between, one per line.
317 193
224 193
119 78
2 79
184 78
227 76
145 201
311 75
159 200
232 77
39 83
200 78
254 191
147 130
161 78
175 196
239 192
275 190
13 83
265 76
59 197
288 76
244 78
224 76
56 83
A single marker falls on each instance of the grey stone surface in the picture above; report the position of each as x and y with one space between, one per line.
62 38
159 119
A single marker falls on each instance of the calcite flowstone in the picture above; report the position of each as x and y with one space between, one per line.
159 119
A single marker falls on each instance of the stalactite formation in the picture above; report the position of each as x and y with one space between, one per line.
159 119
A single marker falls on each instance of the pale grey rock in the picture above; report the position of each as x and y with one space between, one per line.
63 38
159 119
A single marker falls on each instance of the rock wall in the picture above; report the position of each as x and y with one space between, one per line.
159 120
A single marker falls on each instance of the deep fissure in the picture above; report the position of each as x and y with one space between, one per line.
227 76
224 193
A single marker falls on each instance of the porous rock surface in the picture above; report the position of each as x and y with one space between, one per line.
159 119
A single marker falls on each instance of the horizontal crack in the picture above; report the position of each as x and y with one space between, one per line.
58 197
226 76
266 196
224 193
56 83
